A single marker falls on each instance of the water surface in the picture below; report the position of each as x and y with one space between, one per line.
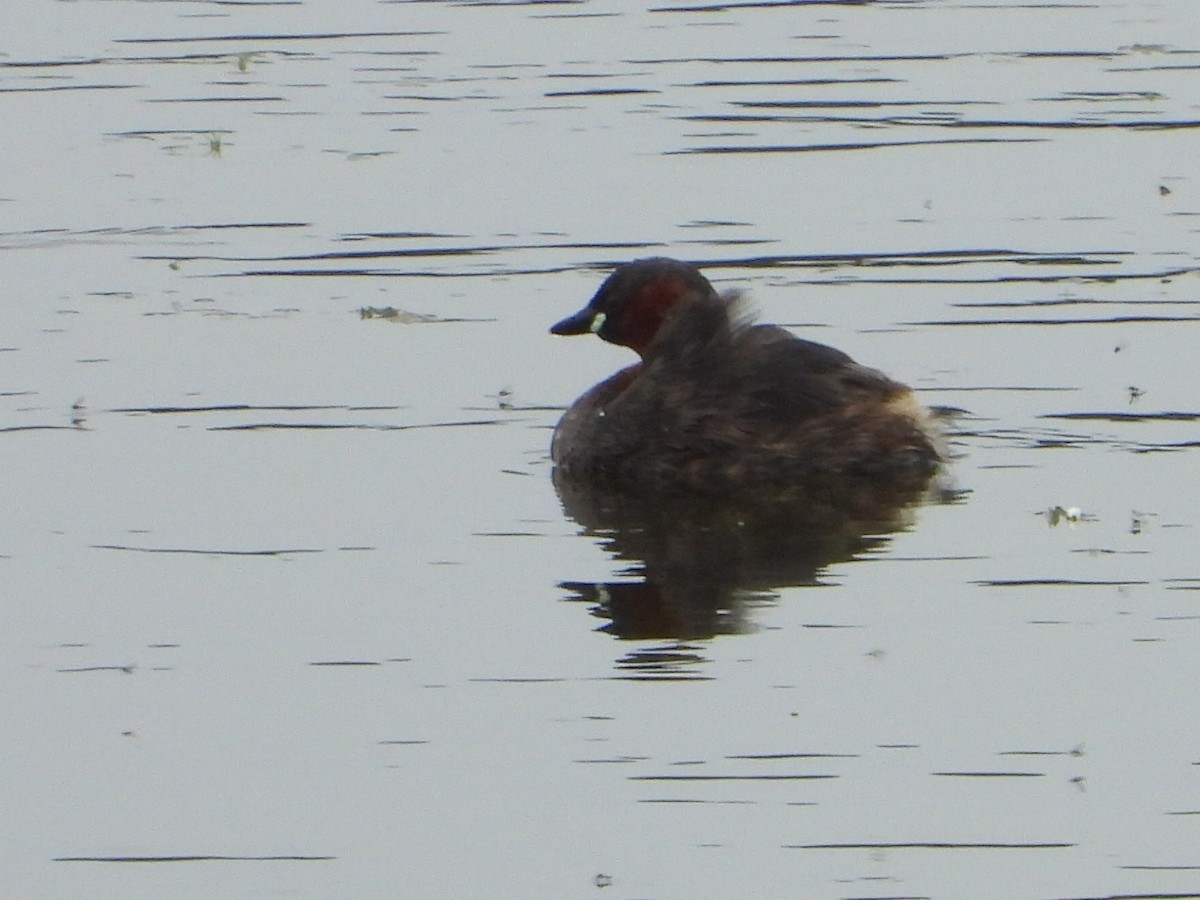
293 607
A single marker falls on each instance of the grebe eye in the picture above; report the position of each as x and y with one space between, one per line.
598 321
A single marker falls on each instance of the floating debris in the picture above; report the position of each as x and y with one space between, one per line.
1071 515
1057 514
1138 521
393 315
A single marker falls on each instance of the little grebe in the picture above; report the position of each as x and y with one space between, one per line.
719 404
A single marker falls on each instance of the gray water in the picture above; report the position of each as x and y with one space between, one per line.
292 608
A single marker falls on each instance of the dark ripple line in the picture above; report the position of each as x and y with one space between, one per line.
775 756
1131 124
935 845
742 60
778 82
1165 447
731 777
316 36
989 774
1055 582
902 258
242 407
201 552
405 253
150 230
315 426
602 92
1113 320
851 104
111 60
929 121
229 99
818 148
67 87
762 4
197 858
1125 416
11 428
1102 278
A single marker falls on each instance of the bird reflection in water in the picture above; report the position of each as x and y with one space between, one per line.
698 567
